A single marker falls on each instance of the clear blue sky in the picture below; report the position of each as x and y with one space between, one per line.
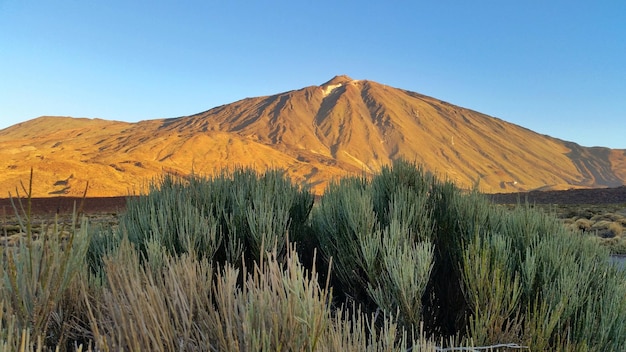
556 67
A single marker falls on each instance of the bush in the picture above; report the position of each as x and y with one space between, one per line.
211 264
221 218
406 242
190 304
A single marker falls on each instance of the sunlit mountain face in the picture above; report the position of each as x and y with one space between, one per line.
316 134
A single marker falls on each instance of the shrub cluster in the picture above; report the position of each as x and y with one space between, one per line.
606 222
407 242
406 262
219 218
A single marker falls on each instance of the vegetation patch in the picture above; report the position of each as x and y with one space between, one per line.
604 223
244 261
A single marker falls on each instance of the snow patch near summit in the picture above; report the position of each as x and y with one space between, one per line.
329 88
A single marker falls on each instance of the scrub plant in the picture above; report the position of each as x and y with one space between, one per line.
221 217
36 279
376 233
406 242
404 260
191 304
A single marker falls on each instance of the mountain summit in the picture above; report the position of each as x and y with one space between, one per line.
316 133
340 79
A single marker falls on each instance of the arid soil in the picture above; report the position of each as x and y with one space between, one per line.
48 213
65 205
575 196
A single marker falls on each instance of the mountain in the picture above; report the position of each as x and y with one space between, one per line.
316 133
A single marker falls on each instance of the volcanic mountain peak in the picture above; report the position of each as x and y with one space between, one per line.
336 82
317 133
339 79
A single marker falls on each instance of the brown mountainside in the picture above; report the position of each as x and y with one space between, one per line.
316 133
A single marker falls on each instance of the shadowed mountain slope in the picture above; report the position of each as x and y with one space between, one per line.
316 133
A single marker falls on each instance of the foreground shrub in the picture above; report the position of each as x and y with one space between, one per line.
221 218
386 263
189 304
406 242
207 264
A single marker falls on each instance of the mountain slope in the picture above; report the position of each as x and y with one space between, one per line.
316 133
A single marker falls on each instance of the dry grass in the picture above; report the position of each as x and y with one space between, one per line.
607 222
616 228
192 305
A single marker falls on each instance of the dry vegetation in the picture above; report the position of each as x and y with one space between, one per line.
597 213
246 262
605 222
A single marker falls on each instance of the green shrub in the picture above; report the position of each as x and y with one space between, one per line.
377 234
208 264
222 217
493 288
406 242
